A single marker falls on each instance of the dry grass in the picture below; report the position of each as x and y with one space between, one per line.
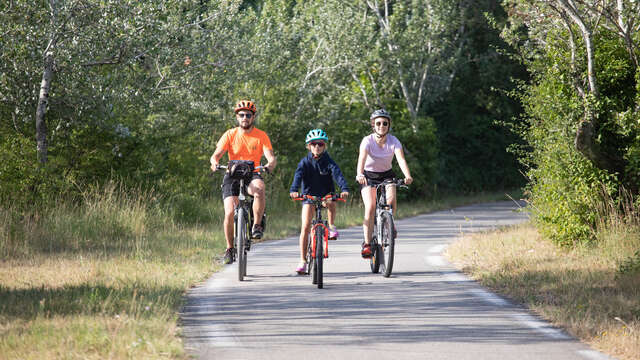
106 279
88 308
580 289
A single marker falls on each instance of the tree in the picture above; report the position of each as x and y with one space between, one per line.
583 108
584 24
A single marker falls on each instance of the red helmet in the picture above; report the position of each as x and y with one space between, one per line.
246 105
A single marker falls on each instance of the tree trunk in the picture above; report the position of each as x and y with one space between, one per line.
41 111
585 139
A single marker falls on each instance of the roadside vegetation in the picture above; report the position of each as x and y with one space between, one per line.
485 95
106 278
591 290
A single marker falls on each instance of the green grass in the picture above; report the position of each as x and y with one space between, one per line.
106 278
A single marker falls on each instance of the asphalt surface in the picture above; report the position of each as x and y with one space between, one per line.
425 310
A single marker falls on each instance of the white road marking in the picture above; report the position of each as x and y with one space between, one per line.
540 326
489 297
435 260
437 249
593 355
455 277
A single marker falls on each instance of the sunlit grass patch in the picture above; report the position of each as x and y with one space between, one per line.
578 289
106 278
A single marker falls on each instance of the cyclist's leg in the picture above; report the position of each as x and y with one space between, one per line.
391 197
331 217
256 189
305 227
369 200
331 212
230 192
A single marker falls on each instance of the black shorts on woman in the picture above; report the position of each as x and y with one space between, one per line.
376 178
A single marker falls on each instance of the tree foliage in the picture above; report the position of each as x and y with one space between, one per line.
142 90
583 106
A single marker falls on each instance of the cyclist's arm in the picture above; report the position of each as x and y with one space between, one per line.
403 165
338 176
271 159
360 168
297 180
215 158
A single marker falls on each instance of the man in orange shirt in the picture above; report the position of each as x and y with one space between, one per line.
244 142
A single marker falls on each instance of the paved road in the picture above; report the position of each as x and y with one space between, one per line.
425 310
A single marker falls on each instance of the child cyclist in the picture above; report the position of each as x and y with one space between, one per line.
315 173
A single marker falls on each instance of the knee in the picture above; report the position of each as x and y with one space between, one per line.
258 192
369 211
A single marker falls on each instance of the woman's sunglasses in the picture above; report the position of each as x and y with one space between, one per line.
317 143
382 123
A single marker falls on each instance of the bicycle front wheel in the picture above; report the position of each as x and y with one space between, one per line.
376 253
310 261
319 239
241 243
388 243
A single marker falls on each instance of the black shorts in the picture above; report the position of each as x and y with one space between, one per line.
375 178
231 187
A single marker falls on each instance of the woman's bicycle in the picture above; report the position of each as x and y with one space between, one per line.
241 171
318 244
383 240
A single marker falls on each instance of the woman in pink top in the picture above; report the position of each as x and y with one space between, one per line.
374 167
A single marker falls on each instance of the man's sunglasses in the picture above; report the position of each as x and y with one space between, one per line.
247 115
316 143
382 123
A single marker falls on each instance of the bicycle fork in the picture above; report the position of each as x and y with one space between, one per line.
325 237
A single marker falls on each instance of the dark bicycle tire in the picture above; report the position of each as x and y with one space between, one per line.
241 236
319 255
388 243
374 261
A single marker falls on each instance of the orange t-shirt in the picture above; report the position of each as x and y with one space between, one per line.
247 146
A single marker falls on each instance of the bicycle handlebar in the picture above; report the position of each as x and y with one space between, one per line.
260 168
396 182
332 197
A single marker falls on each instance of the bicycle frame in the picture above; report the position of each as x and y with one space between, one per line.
383 242
318 250
242 220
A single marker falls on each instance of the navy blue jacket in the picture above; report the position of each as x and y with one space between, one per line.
316 176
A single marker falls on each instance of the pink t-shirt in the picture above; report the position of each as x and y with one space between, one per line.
380 157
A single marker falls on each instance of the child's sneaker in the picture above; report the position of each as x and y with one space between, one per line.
333 233
302 268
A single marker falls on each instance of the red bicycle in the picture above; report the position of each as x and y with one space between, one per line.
318 244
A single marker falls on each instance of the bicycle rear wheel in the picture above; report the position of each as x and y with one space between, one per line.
241 237
319 239
388 243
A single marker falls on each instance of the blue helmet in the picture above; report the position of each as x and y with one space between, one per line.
316 134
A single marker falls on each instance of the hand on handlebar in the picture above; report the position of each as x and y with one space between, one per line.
408 180
294 195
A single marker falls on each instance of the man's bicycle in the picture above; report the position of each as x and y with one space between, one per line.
241 171
383 240
318 244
